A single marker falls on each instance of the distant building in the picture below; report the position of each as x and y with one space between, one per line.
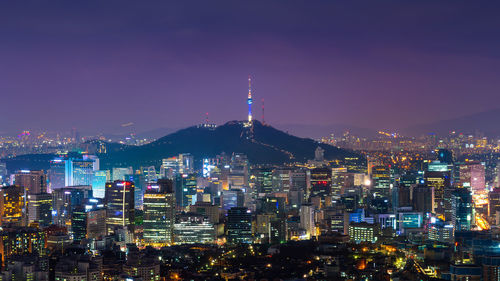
194 228
381 177
439 181
159 213
463 209
56 174
20 241
307 219
79 171
239 225
119 201
321 182
118 174
11 205
99 183
206 209
363 232
423 198
40 208
65 200
263 180
472 176
185 189
33 181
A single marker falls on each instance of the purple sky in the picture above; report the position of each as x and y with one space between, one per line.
94 65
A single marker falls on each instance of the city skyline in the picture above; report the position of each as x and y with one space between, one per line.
375 66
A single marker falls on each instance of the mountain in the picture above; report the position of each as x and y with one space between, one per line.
484 122
262 144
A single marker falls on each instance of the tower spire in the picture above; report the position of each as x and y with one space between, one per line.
249 100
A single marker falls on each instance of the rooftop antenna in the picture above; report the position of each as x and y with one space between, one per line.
206 118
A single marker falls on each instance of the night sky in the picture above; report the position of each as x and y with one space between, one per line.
95 65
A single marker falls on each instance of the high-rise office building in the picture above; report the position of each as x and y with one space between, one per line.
472 176
321 182
79 171
232 198
40 208
159 213
282 180
438 181
33 181
170 167
56 174
494 201
99 183
423 198
381 177
206 209
79 224
463 209
185 189
65 200
96 223
193 228
340 180
263 180
119 202
186 163
307 220
239 225
11 205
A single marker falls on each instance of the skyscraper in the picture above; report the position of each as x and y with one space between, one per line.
79 224
11 205
307 219
321 182
40 208
472 176
185 189
263 180
462 206
381 176
193 228
99 183
56 174
239 225
96 222
159 213
65 200
33 181
170 167
438 182
186 163
119 201
79 171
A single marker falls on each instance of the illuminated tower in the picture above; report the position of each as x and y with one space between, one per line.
249 100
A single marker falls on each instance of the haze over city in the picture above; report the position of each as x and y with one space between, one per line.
95 65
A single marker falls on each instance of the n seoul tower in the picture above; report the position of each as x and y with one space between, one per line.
249 100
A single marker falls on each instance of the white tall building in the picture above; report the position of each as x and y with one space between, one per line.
307 219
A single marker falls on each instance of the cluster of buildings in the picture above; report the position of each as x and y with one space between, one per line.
78 222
